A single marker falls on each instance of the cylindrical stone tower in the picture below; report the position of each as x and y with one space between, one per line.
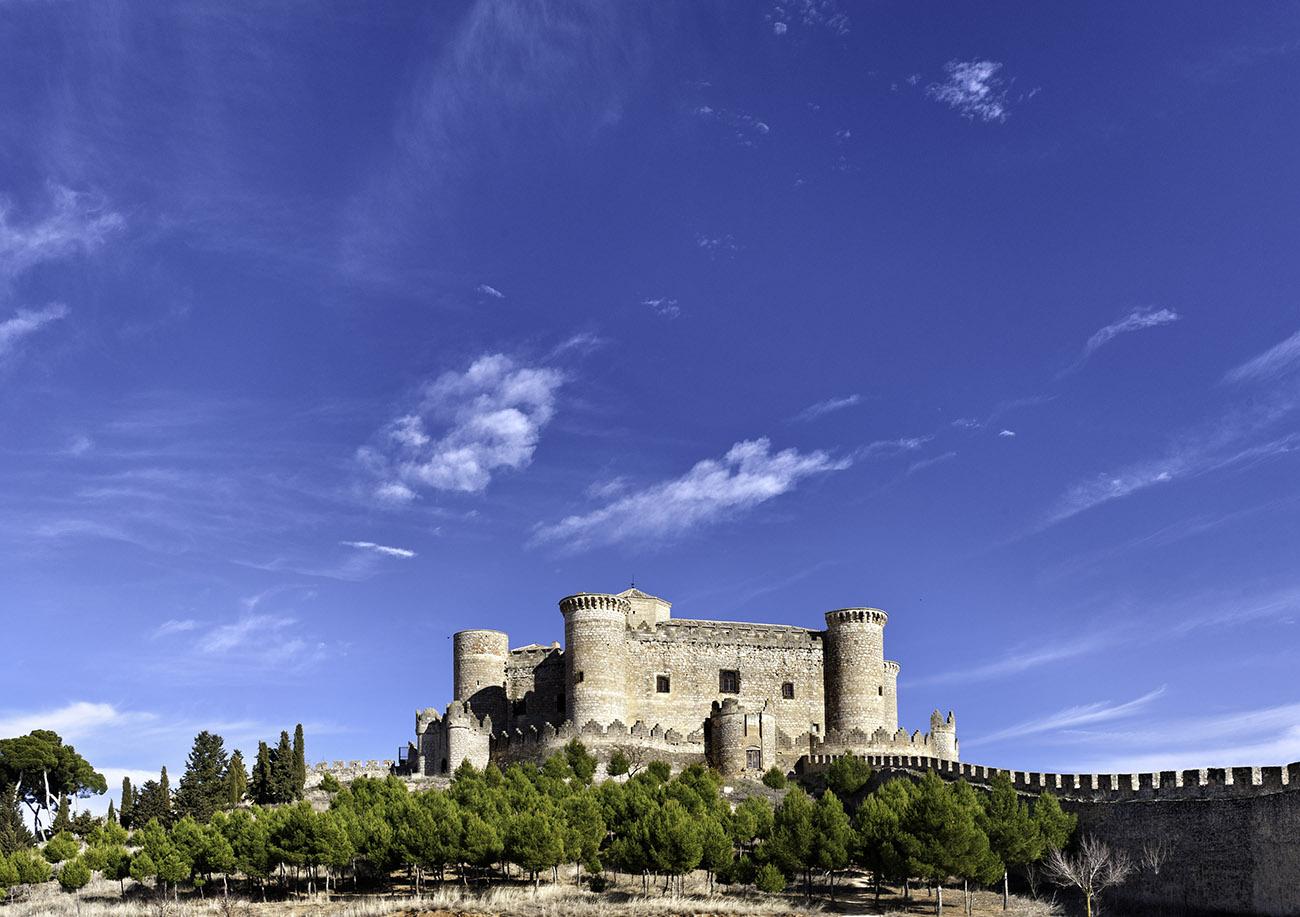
595 658
479 672
891 696
854 663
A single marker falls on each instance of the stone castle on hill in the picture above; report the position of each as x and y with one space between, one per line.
740 697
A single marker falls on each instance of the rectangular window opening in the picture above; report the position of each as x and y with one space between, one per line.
662 684
787 690
729 681
754 759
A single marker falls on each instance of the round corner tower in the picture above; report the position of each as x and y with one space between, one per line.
860 691
479 672
595 657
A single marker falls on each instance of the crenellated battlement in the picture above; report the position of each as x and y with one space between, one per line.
857 616
594 601
1202 783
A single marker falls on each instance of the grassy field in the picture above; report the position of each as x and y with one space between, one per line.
104 899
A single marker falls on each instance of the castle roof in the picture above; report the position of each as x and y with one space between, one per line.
635 593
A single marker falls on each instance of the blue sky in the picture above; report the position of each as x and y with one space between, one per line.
324 336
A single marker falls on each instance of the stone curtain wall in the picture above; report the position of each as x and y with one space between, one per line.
534 744
534 676
1234 832
692 653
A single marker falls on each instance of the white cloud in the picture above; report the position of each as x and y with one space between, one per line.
488 418
1136 320
716 244
809 14
748 475
75 222
888 447
71 721
248 630
1069 718
663 307
1020 660
1009 434
27 322
604 490
779 28
925 463
973 89
1189 458
1278 360
813 411
379 548
490 291
174 626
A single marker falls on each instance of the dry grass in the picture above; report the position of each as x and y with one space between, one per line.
102 899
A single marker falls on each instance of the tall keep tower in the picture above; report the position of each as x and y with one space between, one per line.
595 657
860 692
479 672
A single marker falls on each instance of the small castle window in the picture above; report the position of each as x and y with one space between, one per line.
578 678
729 681
787 690
662 685
881 691
754 759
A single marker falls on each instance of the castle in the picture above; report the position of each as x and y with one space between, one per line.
741 697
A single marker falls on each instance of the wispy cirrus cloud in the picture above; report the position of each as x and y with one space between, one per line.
466 427
384 549
1279 360
74 222
490 291
830 405
748 475
26 322
922 464
1069 718
1136 320
1022 659
174 626
973 89
663 306
888 447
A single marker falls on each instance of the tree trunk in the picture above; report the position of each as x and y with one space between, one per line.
938 900
1087 902
1006 890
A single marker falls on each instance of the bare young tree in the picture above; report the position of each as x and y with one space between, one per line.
638 756
1154 854
1092 870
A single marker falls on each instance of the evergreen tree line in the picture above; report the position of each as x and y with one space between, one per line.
214 781
530 820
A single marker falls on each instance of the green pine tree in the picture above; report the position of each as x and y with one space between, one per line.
791 844
62 816
284 773
111 815
1055 826
13 831
832 836
124 815
236 779
299 762
203 790
261 782
941 837
1012 832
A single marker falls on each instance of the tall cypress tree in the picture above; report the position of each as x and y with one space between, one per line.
262 775
111 817
165 795
202 789
13 832
125 809
299 762
283 772
236 779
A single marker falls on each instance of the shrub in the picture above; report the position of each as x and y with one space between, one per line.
32 869
769 879
8 875
775 778
75 874
660 770
330 784
847 775
618 764
63 846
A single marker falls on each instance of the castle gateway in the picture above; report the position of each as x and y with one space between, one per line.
740 697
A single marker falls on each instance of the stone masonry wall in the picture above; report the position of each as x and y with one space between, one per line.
1234 832
693 653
